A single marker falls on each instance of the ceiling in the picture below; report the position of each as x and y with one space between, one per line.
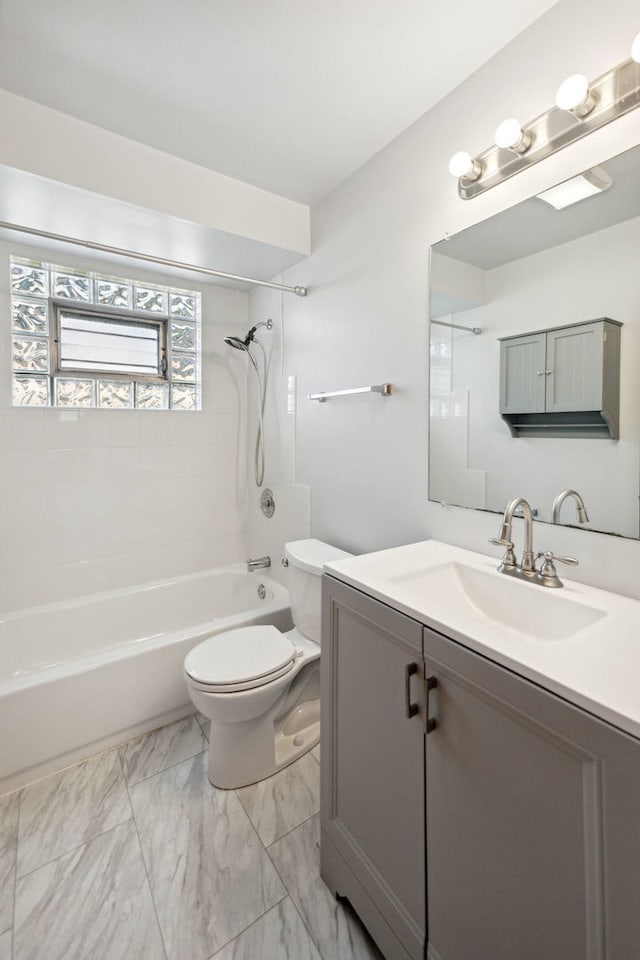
291 96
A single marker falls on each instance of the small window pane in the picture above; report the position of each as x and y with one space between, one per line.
30 316
183 397
31 354
30 391
152 396
152 299
183 367
71 286
26 278
182 305
74 393
113 293
115 394
183 336
121 346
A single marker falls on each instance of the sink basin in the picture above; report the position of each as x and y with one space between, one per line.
452 590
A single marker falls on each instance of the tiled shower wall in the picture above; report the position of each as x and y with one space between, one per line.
98 499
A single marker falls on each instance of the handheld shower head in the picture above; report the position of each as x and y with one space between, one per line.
236 343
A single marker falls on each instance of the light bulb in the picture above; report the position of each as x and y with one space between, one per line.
635 49
574 95
464 167
510 136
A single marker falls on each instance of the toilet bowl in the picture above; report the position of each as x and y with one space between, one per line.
261 687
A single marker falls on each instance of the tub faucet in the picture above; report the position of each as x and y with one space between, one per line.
526 568
258 563
559 500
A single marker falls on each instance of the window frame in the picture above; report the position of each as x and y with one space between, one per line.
159 321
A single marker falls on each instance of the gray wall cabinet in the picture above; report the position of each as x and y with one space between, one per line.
562 382
531 805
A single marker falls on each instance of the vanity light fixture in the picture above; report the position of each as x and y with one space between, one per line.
580 108
578 188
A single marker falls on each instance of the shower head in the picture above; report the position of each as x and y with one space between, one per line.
236 343
239 344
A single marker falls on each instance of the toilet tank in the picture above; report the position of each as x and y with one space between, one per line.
305 562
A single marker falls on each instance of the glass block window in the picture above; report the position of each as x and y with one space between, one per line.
82 340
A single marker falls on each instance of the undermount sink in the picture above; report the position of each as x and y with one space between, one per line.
454 589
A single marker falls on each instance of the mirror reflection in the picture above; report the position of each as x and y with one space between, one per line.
555 286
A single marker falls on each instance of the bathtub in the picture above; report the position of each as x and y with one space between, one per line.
83 675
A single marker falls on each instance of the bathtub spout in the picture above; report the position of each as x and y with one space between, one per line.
258 563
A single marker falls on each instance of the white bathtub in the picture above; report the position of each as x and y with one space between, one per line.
80 676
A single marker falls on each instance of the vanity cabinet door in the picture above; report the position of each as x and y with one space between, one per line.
522 374
575 364
372 797
533 820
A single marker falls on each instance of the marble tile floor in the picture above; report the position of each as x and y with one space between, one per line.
133 855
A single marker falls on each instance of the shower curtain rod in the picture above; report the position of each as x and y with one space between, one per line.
457 326
176 264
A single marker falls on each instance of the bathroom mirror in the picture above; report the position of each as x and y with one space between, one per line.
533 268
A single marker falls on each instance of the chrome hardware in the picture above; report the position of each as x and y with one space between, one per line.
258 563
509 565
386 389
410 709
267 503
559 500
284 561
262 591
547 575
430 722
509 559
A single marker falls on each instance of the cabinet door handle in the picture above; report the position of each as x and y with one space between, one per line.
410 709
430 722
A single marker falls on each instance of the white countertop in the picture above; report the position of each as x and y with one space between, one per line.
597 667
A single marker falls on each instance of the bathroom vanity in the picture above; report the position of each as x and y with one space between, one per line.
481 759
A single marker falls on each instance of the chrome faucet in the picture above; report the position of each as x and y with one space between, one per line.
559 500
546 576
258 563
526 568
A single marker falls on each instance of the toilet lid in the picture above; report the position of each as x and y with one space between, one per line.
238 656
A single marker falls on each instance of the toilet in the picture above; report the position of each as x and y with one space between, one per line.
261 687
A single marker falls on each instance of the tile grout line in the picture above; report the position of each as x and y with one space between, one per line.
79 846
158 772
144 862
289 893
272 907
289 832
15 876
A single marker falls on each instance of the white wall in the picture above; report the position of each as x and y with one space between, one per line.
365 318
98 499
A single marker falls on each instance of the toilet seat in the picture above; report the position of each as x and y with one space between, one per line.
240 659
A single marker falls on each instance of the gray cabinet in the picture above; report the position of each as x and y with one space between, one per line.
372 799
531 805
533 820
562 382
